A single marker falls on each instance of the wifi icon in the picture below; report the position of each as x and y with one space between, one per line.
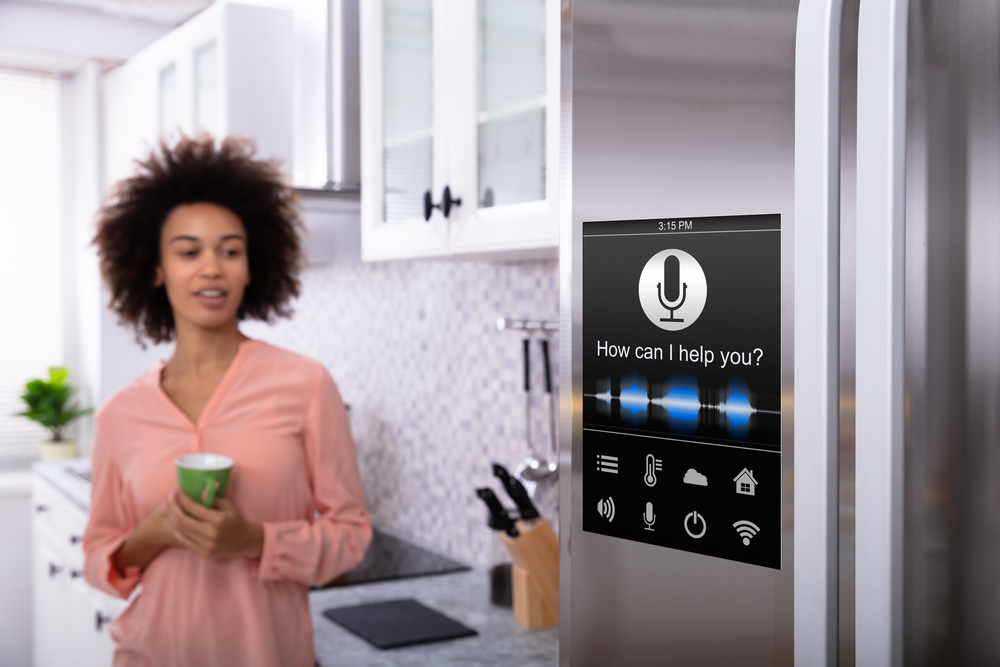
606 508
746 529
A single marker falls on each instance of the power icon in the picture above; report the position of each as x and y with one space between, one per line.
692 522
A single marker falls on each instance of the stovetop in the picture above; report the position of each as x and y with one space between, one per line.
390 558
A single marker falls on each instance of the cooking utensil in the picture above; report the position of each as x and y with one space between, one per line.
499 519
553 449
517 493
532 469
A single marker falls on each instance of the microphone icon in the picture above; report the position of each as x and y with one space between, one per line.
670 293
649 518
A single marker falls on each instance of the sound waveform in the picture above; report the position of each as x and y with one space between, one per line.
680 403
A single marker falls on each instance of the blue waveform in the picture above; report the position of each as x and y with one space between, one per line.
679 403
634 399
737 409
682 403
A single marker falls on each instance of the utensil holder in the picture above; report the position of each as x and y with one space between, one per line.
535 573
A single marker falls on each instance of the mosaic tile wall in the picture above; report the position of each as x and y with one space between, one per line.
436 392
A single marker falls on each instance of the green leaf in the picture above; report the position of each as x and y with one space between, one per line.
58 375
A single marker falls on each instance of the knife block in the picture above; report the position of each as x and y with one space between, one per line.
529 610
535 573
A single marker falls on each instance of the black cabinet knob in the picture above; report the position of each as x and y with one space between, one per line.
54 570
41 508
444 205
75 539
75 574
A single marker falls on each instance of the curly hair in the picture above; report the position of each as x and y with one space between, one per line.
198 170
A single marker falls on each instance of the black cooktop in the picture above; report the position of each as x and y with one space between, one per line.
390 558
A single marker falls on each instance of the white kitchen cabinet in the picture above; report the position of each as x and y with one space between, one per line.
227 71
463 95
71 619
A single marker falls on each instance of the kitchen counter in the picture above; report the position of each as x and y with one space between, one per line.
464 596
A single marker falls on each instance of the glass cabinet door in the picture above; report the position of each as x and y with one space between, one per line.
511 101
408 91
459 96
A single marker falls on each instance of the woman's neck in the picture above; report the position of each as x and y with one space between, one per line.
203 351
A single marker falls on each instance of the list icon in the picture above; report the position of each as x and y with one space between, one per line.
607 463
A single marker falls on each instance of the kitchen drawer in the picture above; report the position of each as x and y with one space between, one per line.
57 520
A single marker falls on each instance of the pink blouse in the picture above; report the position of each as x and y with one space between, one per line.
281 418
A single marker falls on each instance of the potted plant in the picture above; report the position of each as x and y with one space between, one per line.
48 403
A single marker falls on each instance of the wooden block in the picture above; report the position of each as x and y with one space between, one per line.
536 550
529 608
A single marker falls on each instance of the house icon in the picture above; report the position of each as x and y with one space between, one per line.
745 483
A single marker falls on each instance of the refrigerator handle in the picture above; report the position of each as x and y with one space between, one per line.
882 65
817 330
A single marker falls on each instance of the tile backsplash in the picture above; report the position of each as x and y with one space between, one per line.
435 390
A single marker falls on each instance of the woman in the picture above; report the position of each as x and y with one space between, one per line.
201 238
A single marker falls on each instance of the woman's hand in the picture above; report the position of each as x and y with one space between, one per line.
220 532
150 537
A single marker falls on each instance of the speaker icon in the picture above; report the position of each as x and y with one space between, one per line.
606 508
746 530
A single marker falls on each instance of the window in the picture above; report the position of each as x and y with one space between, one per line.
168 99
31 327
207 110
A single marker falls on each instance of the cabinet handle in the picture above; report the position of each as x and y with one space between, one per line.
101 619
41 508
444 206
75 539
54 570
75 574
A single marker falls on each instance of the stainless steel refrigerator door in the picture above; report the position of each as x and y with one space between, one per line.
928 363
678 109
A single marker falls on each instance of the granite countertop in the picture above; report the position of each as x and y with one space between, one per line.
464 596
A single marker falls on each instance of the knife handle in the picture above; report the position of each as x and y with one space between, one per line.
548 370
527 365
517 493
499 515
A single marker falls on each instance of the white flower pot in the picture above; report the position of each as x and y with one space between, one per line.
55 451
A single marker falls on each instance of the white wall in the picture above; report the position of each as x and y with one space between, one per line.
102 355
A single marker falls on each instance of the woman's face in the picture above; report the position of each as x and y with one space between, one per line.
203 264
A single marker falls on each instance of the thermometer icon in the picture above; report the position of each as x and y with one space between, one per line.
652 465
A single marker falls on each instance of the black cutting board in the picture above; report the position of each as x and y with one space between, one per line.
397 623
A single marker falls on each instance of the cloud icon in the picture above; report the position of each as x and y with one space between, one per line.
692 476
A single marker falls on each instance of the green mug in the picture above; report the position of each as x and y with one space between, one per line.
204 475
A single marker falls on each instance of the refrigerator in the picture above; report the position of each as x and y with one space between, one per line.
780 324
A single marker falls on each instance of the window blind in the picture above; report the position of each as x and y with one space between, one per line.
31 314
